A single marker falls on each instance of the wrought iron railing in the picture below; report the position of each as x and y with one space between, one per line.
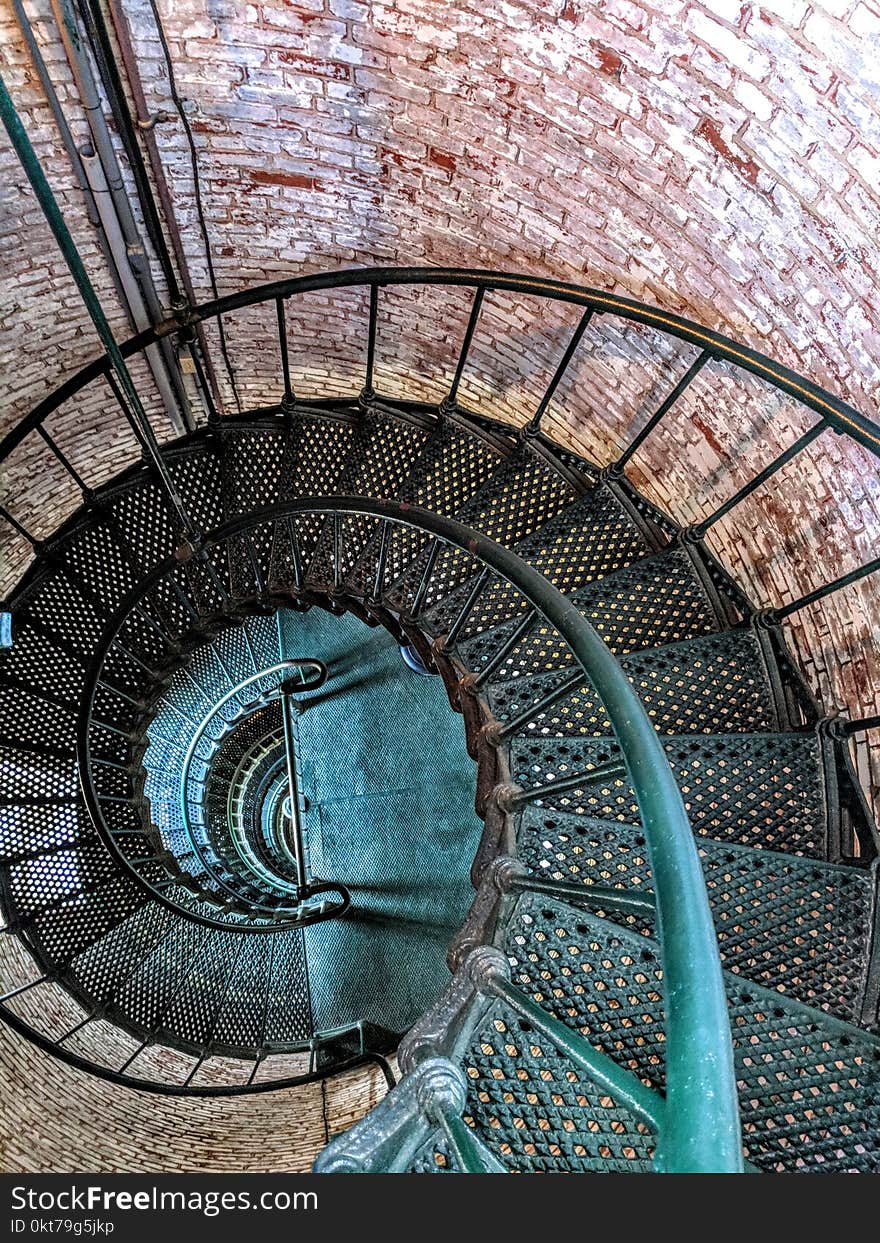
833 413
699 1067
698 1122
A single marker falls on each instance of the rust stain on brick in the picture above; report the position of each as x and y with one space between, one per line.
299 181
708 435
609 61
441 159
332 69
744 165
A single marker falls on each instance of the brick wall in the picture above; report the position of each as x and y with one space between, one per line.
719 159
84 1123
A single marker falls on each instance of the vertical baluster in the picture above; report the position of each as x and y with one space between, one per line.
699 529
368 393
517 634
379 578
20 529
812 597
295 553
449 400
337 550
422 591
460 621
288 400
128 1061
65 462
534 424
254 560
211 412
692 372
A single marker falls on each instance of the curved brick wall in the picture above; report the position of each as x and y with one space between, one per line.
58 1120
719 159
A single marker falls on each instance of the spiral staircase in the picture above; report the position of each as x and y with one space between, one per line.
238 827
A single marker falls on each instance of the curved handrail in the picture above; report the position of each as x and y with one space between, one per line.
702 1115
198 850
836 412
160 1088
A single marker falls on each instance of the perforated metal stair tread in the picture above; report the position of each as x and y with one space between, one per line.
382 455
520 497
654 602
537 1113
177 984
453 465
809 1084
762 790
795 933
800 925
719 684
589 539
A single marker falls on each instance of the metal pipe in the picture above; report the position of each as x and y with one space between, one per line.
94 172
145 125
91 103
135 255
132 404
98 37
68 142
67 139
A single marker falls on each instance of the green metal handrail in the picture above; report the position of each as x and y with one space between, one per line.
700 1129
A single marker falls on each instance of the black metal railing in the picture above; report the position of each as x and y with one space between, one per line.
833 414
697 1066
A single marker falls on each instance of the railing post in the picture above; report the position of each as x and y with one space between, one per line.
449 400
288 401
692 372
812 597
699 529
534 424
489 971
368 393
298 840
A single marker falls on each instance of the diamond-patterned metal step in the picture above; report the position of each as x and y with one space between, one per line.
522 495
762 790
654 602
235 991
722 683
538 1113
382 456
588 540
798 925
809 1084
453 465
